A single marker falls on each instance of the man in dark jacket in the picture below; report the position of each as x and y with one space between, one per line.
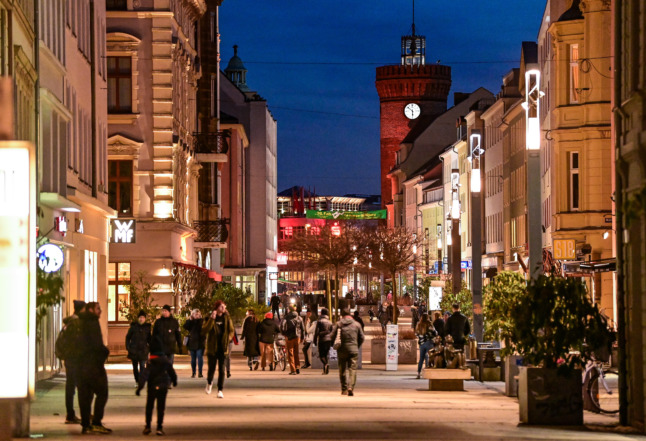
438 324
275 305
138 344
457 326
71 324
167 327
323 338
293 330
267 332
352 338
93 379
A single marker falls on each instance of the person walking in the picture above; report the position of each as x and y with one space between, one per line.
167 328
138 344
358 319
250 338
293 330
310 328
195 344
159 374
267 332
438 324
93 380
352 338
70 355
275 305
457 326
323 338
425 333
218 330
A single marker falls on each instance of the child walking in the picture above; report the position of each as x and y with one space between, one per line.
159 374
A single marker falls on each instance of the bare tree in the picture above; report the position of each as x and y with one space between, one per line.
389 251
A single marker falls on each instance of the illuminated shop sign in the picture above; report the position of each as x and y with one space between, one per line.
60 223
281 258
50 258
123 230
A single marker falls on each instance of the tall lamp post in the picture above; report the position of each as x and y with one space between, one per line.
456 270
475 142
531 105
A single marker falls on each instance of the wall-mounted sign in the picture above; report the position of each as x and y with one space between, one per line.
79 226
347 215
60 223
123 230
564 249
281 258
50 258
273 276
466 264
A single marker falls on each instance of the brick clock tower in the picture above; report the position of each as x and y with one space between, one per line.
409 93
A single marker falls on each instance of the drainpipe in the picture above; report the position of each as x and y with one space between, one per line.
93 62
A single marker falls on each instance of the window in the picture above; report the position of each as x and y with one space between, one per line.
118 296
120 186
116 5
91 276
574 73
119 85
574 180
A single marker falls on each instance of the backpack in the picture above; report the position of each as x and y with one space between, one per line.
289 327
67 342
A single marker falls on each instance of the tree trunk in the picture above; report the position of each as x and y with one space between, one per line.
395 310
336 289
328 293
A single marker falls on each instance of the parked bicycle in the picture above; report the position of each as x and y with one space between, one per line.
280 353
602 387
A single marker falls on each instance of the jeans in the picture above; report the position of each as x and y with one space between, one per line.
92 381
197 357
156 393
276 312
138 367
348 369
324 350
212 360
267 351
71 384
306 354
423 354
292 354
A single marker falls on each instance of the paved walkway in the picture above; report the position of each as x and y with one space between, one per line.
274 406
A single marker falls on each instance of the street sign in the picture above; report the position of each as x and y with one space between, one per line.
466 264
564 249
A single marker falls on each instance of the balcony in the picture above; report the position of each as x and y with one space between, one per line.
212 146
211 233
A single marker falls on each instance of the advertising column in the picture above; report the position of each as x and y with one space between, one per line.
392 343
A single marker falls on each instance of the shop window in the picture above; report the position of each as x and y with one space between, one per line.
91 276
119 85
120 186
118 295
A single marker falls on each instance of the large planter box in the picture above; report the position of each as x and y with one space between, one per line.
546 398
407 351
512 365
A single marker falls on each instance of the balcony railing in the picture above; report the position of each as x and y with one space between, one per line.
211 231
212 142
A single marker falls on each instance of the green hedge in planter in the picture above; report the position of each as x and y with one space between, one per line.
499 297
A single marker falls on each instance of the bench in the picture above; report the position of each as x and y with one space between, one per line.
446 379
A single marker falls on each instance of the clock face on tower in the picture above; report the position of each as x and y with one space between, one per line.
412 111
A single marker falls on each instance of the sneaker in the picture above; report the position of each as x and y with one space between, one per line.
327 369
101 429
228 374
160 432
418 376
292 373
250 368
298 371
271 367
146 431
73 420
193 376
220 394
306 366
344 392
86 430
255 365
350 393
208 388
200 375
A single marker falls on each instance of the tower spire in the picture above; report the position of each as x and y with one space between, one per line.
413 47
413 18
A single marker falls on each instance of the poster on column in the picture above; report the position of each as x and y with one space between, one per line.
392 343
434 298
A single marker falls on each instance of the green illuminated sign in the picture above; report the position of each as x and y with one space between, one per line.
347 215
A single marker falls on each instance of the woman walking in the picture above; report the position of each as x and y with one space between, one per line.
195 341
425 333
138 344
218 331
250 338
323 338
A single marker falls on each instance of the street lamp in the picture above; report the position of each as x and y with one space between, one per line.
531 105
475 143
456 270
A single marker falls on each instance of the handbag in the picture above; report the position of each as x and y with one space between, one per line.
337 340
186 341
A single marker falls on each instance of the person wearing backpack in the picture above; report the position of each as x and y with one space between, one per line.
293 330
138 344
352 338
66 346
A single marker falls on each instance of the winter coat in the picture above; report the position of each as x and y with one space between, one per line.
267 331
159 373
323 330
275 303
438 324
195 339
310 329
138 341
250 337
216 339
457 326
168 329
429 335
352 336
93 352
295 331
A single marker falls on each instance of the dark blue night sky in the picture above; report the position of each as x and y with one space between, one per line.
314 62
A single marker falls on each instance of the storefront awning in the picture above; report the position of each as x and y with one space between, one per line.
583 269
287 282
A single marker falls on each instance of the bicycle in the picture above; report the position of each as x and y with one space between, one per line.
280 354
602 388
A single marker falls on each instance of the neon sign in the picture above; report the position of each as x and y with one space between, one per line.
50 258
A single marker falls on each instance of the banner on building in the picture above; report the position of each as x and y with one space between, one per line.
347 215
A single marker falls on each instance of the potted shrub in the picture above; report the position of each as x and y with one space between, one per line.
554 318
504 292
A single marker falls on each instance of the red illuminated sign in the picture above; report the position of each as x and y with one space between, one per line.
336 230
